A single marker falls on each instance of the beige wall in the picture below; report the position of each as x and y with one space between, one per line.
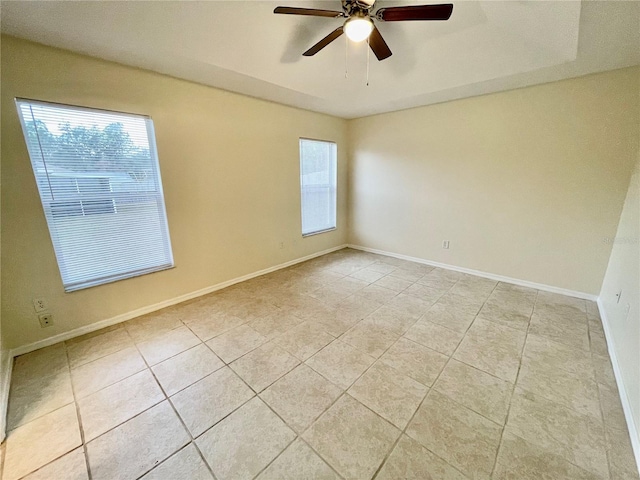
526 183
623 317
230 171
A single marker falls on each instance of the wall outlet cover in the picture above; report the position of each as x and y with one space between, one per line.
46 320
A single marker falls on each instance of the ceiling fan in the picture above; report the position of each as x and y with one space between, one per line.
359 23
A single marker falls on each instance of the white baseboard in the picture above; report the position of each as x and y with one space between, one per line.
6 366
492 276
157 306
626 406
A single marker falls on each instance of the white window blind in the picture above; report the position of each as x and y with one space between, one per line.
99 182
318 184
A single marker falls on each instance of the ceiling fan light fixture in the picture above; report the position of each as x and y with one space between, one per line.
358 28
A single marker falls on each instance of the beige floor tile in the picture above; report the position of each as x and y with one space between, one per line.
223 391
435 280
275 324
492 348
570 359
40 441
468 304
71 466
304 340
389 393
449 316
367 275
357 305
410 305
573 391
95 333
603 371
622 463
595 325
264 365
478 291
425 292
411 461
504 315
461 437
39 364
93 376
252 309
415 361
572 333
304 307
406 274
214 324
187 464
510 287
381 267
612 407
340 363
483 393
506 293
598 343
298 462
351 438
376 293
520 460
157 323
117 403
392 319
339 289
136 446
245 442
300 397
578 438
234 343
369 338
556 300
337 322
98 346
167 345
393 283
186 368
436 337
37 397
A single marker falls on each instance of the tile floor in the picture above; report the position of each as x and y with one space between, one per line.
351 366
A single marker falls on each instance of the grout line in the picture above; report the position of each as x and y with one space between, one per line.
175 413
78 415
515 383
404 430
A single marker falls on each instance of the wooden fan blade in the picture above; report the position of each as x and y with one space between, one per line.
324 42
415 12
378 45
308 11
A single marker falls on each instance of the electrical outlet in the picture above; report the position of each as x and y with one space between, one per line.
46 320
39 304
445 244
281 245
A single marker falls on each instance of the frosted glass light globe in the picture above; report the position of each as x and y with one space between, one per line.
358 28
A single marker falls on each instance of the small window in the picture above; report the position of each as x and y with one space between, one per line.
318 176
99 182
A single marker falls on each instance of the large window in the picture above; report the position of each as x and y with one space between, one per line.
318 185
99 182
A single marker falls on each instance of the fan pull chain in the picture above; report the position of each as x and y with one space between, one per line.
346 57
368 53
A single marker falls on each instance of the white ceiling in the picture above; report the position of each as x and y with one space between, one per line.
486 46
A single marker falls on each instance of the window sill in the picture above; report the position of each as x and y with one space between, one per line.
310 234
